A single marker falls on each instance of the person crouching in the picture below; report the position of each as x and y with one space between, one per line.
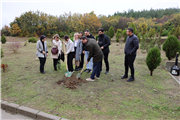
97 54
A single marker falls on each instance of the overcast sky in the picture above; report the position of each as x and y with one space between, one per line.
13 8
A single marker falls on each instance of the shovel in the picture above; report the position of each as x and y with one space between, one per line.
79 74
67 74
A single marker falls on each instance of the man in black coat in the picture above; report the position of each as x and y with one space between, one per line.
90 63
132 44
104 43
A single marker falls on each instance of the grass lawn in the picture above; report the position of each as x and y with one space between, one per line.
148 97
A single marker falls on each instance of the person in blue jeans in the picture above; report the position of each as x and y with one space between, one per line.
90 63
97 54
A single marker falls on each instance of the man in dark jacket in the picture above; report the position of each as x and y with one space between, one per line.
97 54
104 43
90 64
132 44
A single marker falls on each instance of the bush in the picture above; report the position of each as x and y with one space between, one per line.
25 43
111 32
124 35
151 32
118 34
172 32
171 46
153 59
177 33
2 54
3 39
96 37
32 39
14 46
165 32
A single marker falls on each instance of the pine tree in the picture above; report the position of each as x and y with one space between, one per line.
171 46
177 33
118 34
153 59
111 32
2 55
3 39
132 25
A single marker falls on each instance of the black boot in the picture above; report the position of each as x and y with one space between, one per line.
130 79
76 68
124 77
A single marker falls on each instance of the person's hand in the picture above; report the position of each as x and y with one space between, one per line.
63 42
102 47
43 52
47 54
83 52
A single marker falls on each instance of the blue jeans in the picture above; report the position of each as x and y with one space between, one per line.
96 69
90 63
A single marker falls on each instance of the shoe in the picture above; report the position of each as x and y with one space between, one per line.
130 79
80 68
89 71
96 77
55 70
89 79
124 77
106 72
86 70
43 72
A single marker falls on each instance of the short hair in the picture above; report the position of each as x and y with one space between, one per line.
81 33
84 37
101 29
42 37
66 37
86 30
130 29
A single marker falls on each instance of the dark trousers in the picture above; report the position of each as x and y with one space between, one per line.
96 69
55 61
106 61
129 62
42 63
82 61
70 57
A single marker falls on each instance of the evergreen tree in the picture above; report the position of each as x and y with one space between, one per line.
153 59
111 32
171 46
177 33
2 55
3 39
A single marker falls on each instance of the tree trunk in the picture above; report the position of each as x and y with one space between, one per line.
151 72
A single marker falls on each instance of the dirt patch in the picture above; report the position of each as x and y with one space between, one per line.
71 82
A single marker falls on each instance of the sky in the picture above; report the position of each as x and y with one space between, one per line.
14 8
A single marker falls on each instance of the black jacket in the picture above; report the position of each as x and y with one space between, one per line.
132 44
84 45
94 50
105 43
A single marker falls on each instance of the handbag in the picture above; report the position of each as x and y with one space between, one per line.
54 51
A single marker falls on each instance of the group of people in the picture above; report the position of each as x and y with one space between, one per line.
94 51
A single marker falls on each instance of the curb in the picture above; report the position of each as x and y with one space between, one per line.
32 113
175 78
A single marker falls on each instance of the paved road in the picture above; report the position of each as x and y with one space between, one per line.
8 116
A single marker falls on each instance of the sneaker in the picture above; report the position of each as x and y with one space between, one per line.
89 79
96 77
130 79
106 72
124 77
86 70
89 71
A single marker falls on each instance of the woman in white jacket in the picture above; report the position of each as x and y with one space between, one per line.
70 53
56 44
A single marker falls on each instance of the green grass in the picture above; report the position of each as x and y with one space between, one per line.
107 98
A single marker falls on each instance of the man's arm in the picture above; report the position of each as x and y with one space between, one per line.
107 42
136 45
90 49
